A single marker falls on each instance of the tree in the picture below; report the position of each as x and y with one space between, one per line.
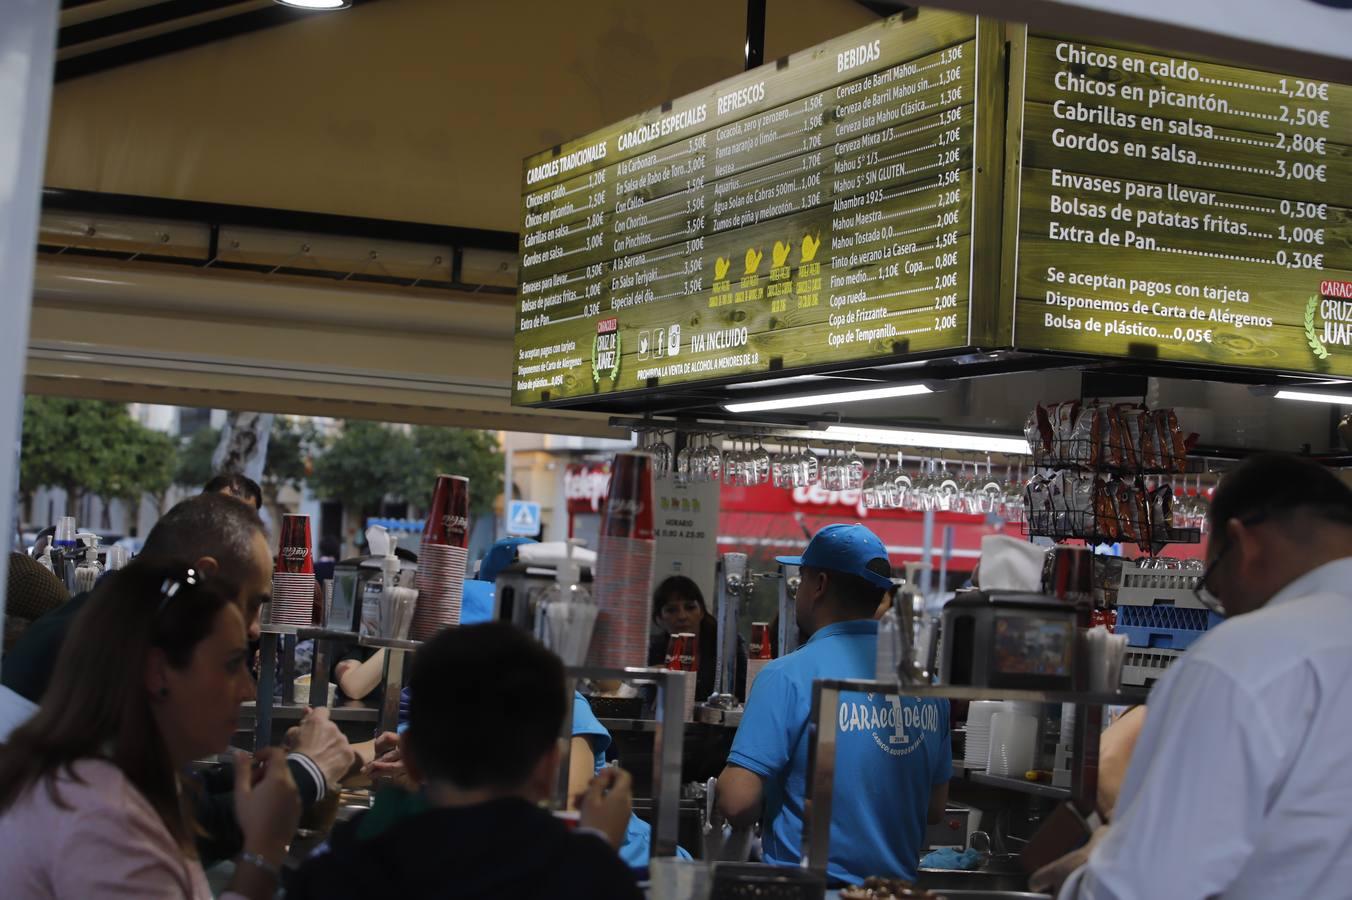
366 463
455 451
66 444
141 461
194 458
291 447
92 447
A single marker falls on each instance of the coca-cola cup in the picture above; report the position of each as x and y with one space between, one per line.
629 508
760 641
448 516
1070 574
294 552
683 652
293 576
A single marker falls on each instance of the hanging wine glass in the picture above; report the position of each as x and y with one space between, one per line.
967 499
900 488
991 491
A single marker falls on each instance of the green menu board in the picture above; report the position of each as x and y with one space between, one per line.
814 211
1181 210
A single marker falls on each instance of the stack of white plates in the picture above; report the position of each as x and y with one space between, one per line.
978 747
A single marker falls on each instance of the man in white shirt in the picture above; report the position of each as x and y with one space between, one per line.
1241 783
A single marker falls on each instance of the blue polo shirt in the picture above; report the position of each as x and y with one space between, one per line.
891 752
639 835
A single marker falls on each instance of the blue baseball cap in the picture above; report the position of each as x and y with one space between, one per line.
851 549
501 555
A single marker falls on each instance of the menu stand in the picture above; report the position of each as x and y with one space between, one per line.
822 747
668 738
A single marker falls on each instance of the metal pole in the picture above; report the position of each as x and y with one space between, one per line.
507 493
566 735
267 677
754 49
821 775
667 747
28 44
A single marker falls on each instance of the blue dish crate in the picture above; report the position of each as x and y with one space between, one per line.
1164 626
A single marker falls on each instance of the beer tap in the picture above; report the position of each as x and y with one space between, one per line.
732 584
788 608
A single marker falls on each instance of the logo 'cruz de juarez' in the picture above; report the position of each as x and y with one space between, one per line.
1328 318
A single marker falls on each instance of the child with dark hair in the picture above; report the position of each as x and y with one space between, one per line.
476 829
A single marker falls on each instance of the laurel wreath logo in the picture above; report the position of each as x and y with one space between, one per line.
615 370
1311 335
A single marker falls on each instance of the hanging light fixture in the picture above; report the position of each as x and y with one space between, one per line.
315 5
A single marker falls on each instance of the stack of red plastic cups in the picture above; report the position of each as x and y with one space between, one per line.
758 654
442 559
624 567
293 575
683 656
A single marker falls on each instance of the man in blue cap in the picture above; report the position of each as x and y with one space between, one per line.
893 754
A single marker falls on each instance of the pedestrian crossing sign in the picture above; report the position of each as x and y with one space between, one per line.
523 518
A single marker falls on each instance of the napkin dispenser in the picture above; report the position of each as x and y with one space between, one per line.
357 585
1009 639
518 589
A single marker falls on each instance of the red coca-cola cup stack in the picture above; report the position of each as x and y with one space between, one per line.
760 641
442 558
626 554
293 575
758 654
683 652
683 656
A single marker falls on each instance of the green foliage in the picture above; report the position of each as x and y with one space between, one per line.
365 464
291 448
369 463
91 447
194 458
455 451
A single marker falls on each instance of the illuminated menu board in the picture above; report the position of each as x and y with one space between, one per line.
814 211
1182 210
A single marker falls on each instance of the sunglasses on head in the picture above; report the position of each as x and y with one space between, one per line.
173 584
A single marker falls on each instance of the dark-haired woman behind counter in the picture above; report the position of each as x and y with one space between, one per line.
678 607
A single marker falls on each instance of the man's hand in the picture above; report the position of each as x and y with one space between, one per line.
388 766
1053 875
266 803
608 803
319 739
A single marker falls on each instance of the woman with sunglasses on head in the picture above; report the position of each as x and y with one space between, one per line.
93 802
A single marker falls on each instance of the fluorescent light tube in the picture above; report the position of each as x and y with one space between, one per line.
1342 399
828 399
769 382
939 440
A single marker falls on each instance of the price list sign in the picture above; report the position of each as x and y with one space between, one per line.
813 211
1182 210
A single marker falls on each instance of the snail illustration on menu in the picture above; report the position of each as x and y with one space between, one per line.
810 246
721 266
781 253
753 260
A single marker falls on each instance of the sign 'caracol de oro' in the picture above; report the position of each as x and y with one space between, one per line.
811 211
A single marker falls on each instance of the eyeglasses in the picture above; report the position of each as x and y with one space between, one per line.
1205 595
170 587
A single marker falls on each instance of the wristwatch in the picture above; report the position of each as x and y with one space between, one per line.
258 862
